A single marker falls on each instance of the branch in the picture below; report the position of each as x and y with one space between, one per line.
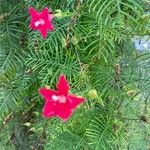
72 21
6 120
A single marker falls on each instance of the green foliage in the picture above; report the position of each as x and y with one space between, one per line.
91 45
102 133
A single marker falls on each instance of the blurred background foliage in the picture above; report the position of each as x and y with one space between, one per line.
92 45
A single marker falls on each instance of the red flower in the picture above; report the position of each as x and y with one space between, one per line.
60 103
41 21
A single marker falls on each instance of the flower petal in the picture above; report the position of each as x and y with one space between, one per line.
47 93
63 85
48 110
45 11
33 12
47 18
64 115
34 17
75 101
50 16
43 32
51 27
45 14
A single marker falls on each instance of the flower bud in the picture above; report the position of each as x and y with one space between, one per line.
92 94
58 14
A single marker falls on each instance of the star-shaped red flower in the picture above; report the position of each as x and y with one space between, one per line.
60 103
41 21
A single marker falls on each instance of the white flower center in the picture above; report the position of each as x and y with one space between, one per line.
39 22
60 99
